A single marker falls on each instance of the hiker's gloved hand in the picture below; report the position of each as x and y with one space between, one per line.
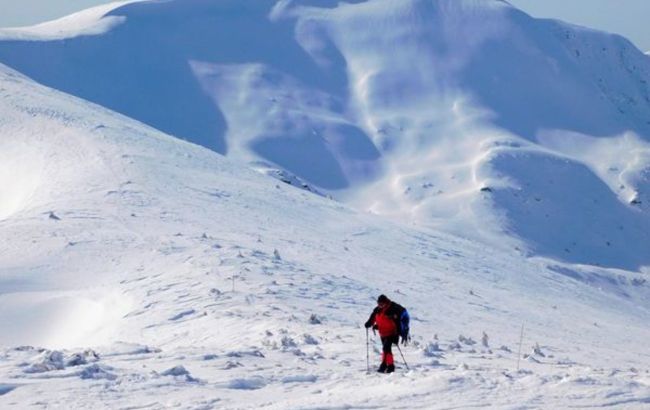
405 339
368 324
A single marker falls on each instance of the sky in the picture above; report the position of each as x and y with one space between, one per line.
626 17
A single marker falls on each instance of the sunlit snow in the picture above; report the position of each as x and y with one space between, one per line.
485 169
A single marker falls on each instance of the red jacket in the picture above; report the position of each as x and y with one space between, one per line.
387 319
386 323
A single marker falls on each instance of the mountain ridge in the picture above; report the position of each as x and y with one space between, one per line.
403 109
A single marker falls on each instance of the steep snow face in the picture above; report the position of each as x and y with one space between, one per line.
138 270
419 110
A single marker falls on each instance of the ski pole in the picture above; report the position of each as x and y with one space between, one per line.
401 354
367 351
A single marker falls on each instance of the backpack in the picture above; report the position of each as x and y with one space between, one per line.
404 321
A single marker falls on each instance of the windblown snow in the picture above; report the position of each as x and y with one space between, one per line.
483 168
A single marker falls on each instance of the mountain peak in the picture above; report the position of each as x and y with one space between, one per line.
371 101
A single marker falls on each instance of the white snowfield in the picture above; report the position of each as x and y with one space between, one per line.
138 270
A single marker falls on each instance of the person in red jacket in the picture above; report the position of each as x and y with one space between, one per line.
392 321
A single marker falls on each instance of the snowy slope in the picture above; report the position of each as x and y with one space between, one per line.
424 110
199 283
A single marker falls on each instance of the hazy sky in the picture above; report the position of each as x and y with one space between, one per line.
630 18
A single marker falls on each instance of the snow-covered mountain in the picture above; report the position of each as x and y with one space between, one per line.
465 115
138 270
158 253
200 283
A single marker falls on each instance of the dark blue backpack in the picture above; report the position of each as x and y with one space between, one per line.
404 321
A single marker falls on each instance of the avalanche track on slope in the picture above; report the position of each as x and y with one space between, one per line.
142 271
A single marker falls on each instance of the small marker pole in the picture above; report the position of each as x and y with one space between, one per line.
521 339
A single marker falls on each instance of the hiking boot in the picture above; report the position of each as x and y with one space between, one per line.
382 368
390 368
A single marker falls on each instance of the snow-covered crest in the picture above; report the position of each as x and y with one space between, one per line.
89 22
401 108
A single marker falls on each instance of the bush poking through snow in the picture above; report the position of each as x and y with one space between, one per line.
85 357
309 339
466 340
288 343
432 350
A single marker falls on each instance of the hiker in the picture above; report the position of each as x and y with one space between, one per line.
392 321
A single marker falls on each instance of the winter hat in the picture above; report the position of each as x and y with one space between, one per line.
382 299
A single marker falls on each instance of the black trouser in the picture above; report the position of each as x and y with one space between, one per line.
387 343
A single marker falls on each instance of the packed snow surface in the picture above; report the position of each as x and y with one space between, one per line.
138 270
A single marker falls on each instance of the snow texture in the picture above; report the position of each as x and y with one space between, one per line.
483 178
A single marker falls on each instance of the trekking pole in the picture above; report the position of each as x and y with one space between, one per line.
367 351
401 354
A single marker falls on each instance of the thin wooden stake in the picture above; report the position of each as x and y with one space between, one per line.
521 339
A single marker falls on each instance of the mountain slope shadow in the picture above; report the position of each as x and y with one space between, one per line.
564 211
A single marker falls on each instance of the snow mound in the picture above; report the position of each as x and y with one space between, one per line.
52 360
